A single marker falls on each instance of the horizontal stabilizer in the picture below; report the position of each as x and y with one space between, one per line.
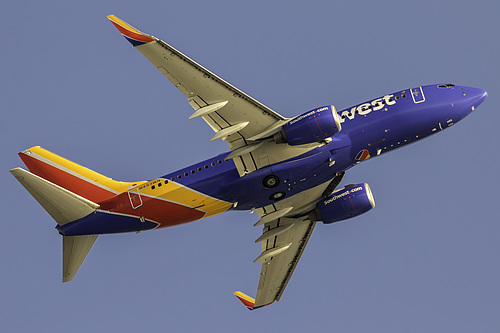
75 249
64 206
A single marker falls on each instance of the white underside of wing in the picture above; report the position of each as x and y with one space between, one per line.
286 231
234 116
281 253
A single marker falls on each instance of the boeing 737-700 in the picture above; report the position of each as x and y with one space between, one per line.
285 169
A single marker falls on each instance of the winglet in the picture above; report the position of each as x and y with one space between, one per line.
134 36
248 301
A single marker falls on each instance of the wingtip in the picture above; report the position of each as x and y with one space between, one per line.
133 35
248 301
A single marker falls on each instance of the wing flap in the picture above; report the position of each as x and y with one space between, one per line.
221 105
288 243
204 87
196 82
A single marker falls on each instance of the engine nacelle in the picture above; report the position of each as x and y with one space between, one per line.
313 126
343 204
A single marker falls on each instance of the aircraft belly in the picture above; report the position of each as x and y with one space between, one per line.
102 222
294 176
165 203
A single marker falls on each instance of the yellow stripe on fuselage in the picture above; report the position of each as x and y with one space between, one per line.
185 196
173 192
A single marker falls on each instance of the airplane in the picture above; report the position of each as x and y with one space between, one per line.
287 170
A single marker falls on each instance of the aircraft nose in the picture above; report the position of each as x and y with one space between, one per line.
482 96
474 96
469 100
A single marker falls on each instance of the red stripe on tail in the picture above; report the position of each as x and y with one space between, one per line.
70 182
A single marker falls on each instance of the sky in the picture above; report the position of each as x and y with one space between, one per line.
424 260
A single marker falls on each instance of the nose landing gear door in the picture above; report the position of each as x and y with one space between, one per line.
418 95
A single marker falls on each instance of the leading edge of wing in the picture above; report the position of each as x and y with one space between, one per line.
138 38
133 35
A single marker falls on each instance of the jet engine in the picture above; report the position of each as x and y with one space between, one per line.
313 126
343 204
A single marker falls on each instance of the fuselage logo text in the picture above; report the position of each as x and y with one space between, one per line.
366 108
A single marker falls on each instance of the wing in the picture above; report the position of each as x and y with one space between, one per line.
287 229
283 242
243 122
232 114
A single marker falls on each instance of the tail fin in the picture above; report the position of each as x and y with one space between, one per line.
71 176
64 207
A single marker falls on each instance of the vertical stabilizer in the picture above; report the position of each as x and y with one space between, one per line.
75 249
64 206
71 176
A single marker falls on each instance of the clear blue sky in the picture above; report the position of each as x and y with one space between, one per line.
424 260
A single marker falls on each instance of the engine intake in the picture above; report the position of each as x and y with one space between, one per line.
313 126
343 204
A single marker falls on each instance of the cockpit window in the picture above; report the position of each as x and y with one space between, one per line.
449 85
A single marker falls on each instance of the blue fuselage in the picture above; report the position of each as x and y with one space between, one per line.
369 129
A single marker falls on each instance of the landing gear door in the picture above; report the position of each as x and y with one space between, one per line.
418 95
